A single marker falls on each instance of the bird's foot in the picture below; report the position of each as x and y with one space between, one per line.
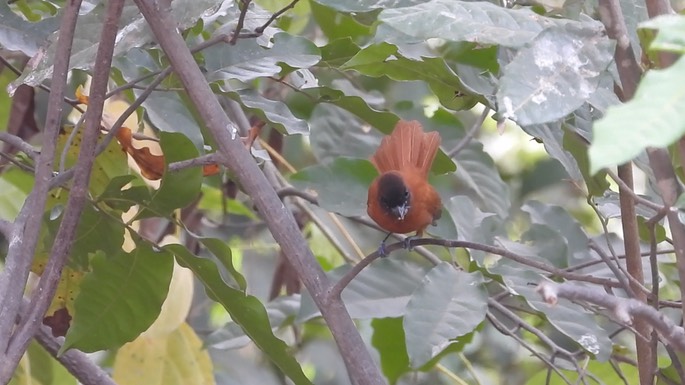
382 252
408 241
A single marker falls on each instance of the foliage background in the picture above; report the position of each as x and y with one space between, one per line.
525 99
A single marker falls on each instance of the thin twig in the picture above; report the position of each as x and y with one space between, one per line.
19 143
275 15
625 310
469 135
202 160
506 331
25 234
241 21
78 196
638 199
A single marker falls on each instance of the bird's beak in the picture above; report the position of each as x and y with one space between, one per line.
401 211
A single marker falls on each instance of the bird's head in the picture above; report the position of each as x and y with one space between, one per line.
393 195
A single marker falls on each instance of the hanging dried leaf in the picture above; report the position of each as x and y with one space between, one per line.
151 165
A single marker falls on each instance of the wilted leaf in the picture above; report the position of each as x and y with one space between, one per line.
177 358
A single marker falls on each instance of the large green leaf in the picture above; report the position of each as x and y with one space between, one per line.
120 298
388 339
479 179
245 310
381 290
17 34
477 22
552 136
231 336
448 304
96 231
366 5
553 75
337 25
178 189
341 186
168 112
658 106
133 32
272 111
384 59
561 222
247 60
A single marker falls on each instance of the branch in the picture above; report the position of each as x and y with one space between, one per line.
5 228
241 20
19 143
44 292
554 271
360 365
624 309
274 16
25 234
201 160
77 363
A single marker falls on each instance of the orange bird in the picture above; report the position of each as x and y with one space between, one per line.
400 199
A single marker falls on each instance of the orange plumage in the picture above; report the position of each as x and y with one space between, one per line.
400 199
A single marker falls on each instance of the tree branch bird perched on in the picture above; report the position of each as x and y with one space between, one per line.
400 199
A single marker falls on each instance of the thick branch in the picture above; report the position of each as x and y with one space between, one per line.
280 221
624 309
19 143
77 363
42 295
24 237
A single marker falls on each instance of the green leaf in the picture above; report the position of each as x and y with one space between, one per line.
671 33
273 111
340 186
568 318
178 189
231 336
552 137
477 22
337 25
383 59
11 199
168 112
245 310
366 5
553 75
659 106
381 290
222 252
122 200
388 339
96 231
247 60
357 104
132 33
17 34
561 222
478 178
119 299
449 303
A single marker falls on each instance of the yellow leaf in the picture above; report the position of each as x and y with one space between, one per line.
177 304
176 359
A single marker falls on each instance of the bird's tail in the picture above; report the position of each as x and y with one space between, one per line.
408 147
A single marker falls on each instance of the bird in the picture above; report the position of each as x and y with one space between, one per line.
400 199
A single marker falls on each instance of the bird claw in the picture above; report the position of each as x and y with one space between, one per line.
382 252
407 242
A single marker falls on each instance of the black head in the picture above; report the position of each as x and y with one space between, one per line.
393 195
